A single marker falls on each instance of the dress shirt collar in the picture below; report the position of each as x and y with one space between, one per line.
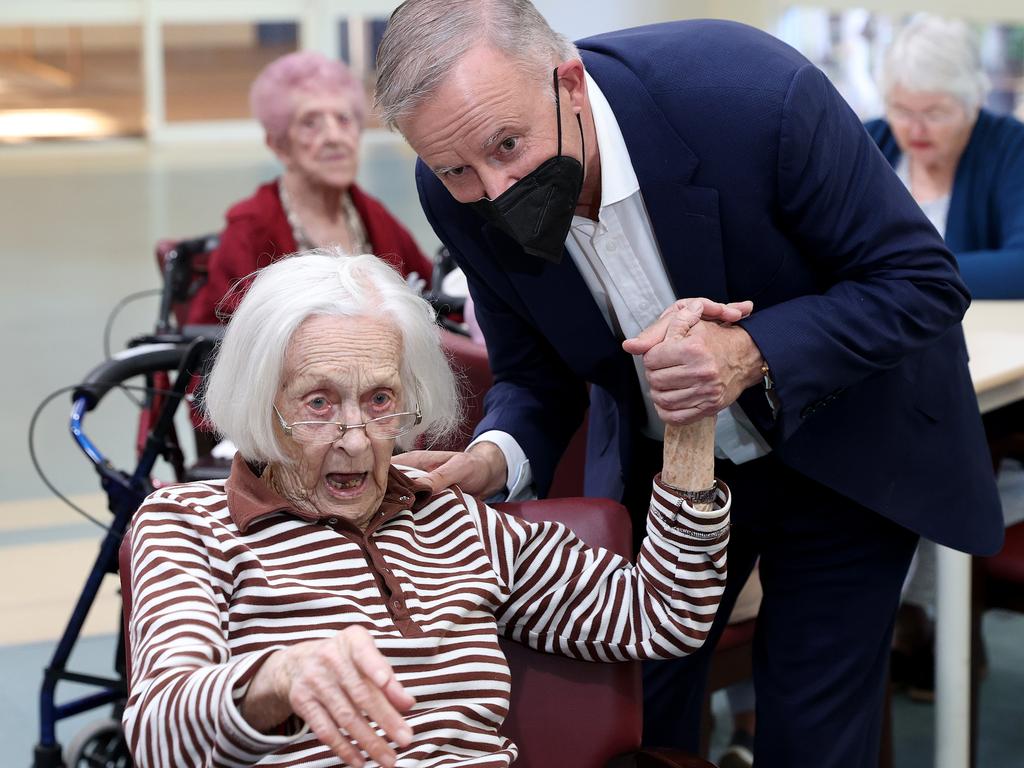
618 179
250 499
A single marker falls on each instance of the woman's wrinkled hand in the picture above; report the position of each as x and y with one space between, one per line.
339 686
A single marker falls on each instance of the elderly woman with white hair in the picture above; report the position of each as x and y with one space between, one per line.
324 606
963 164
312 110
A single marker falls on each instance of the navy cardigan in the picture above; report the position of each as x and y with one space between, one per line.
985 226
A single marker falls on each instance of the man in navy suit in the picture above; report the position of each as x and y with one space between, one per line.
583 194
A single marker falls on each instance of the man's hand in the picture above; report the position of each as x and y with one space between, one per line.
338 686
479 471
696 361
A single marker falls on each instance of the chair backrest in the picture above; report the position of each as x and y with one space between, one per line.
566 712
183 268
1002 575
563 712
470 362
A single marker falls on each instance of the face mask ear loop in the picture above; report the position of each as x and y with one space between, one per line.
583 142
558 110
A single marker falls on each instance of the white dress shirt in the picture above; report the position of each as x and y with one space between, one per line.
936 210
620 261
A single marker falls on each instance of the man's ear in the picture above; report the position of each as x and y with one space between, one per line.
571 77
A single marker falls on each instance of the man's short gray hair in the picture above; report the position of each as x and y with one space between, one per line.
932 54
247 374
425 39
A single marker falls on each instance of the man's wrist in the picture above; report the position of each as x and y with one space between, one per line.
749 357
494 459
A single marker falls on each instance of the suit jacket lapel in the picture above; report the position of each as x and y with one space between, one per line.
561 305
684 216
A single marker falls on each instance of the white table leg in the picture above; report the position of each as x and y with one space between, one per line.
953 659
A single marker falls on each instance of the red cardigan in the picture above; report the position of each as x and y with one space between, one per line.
258 234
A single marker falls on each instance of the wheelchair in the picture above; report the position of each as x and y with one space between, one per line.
166 359
152 357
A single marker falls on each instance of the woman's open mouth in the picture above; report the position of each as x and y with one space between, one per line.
346 483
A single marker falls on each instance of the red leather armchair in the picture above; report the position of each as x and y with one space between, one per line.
578 714
998 583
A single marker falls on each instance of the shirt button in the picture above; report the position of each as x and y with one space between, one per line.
396 604
332 521
611 246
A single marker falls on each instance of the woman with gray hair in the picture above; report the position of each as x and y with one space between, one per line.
323 606
963 164
312 110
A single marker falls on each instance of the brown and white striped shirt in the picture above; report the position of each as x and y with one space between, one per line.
225 573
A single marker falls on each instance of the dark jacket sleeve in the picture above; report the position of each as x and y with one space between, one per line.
890 286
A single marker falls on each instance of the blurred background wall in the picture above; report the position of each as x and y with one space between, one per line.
170 70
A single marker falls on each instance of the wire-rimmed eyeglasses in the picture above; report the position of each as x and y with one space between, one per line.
941 115
385 427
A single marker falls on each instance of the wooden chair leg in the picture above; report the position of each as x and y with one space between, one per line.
707 722
885 758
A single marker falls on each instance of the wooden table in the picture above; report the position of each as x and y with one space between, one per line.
995 342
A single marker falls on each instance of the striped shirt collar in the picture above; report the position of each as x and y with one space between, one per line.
250 499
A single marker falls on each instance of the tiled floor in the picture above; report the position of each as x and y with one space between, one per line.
78 232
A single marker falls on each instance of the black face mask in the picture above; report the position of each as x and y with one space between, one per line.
537 210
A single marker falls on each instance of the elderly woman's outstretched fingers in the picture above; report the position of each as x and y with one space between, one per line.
338 686
345 683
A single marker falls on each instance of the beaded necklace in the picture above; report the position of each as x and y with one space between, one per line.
303 242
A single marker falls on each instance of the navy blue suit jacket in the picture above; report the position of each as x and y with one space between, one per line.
985 225
761 184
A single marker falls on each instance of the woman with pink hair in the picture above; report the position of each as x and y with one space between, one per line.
313 111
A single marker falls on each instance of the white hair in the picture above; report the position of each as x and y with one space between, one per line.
425 39
932 54
246 376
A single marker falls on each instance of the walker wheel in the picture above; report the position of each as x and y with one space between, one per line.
98 745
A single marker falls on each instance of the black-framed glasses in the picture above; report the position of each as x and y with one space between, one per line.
380 428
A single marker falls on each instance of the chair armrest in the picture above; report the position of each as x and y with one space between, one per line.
659 758
669 758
